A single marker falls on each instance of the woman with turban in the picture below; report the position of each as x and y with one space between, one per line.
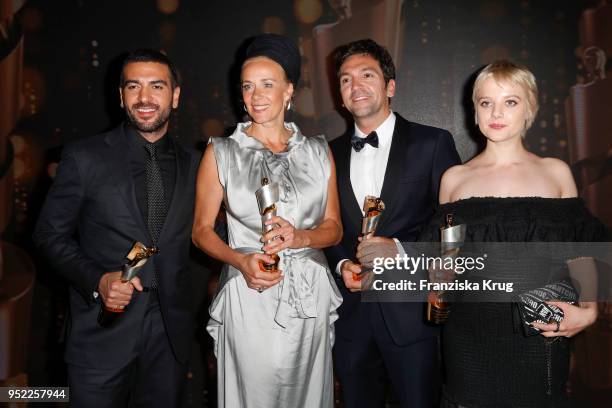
273 330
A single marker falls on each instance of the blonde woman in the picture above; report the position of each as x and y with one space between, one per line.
507 193
273 331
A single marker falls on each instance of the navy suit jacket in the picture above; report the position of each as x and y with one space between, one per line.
418 157
87 225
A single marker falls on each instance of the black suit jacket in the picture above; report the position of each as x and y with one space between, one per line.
418 157
87 225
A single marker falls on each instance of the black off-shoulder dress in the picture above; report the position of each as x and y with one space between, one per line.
488 360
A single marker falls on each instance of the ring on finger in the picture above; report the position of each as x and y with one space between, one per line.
558 326
260 289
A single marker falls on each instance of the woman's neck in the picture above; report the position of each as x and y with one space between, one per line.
505 152
275 136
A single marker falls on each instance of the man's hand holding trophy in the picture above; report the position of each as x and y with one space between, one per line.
116 288
355 273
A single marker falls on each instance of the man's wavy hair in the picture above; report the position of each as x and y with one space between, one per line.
371 48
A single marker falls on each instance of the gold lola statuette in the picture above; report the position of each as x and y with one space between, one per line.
136 258
451 238
267 197
373 208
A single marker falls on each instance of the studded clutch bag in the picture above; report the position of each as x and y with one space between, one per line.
532 306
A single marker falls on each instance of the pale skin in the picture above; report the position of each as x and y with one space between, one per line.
149 85
506 169
266 92
366 96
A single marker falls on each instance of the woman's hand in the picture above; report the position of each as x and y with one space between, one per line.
257 279
575 319
284 235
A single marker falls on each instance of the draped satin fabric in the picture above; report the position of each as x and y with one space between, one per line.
274 348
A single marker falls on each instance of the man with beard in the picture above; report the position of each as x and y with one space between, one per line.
402 162
134 183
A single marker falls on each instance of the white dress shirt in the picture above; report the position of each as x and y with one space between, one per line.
368 167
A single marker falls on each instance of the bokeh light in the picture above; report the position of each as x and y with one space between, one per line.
18 168
167 32
168 6
19 144
34 90
273 25
307 11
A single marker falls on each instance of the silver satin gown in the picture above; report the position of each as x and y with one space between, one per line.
274 348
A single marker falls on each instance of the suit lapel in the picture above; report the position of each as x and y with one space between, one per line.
119 161
395 167
345 187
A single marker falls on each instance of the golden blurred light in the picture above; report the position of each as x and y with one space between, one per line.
34 89
212 127
273 25
18 168
308 11
167 6
304 102
167 32
19 144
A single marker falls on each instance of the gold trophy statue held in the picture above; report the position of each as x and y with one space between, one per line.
267 197
373 208
451 238
137 257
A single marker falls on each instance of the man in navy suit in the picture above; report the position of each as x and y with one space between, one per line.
402 162
131 184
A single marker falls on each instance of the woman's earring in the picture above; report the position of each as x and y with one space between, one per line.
245 109
289 104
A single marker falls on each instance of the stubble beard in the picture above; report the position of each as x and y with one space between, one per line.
162 119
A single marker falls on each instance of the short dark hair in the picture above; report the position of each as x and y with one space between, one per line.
371 48
149 55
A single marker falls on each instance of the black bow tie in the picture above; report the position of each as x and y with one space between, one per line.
358 143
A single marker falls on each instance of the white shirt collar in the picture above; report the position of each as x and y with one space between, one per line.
384 131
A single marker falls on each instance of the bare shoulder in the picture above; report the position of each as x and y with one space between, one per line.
452 178
455 172
554 167
561 173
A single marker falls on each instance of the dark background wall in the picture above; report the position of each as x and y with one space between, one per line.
70 68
